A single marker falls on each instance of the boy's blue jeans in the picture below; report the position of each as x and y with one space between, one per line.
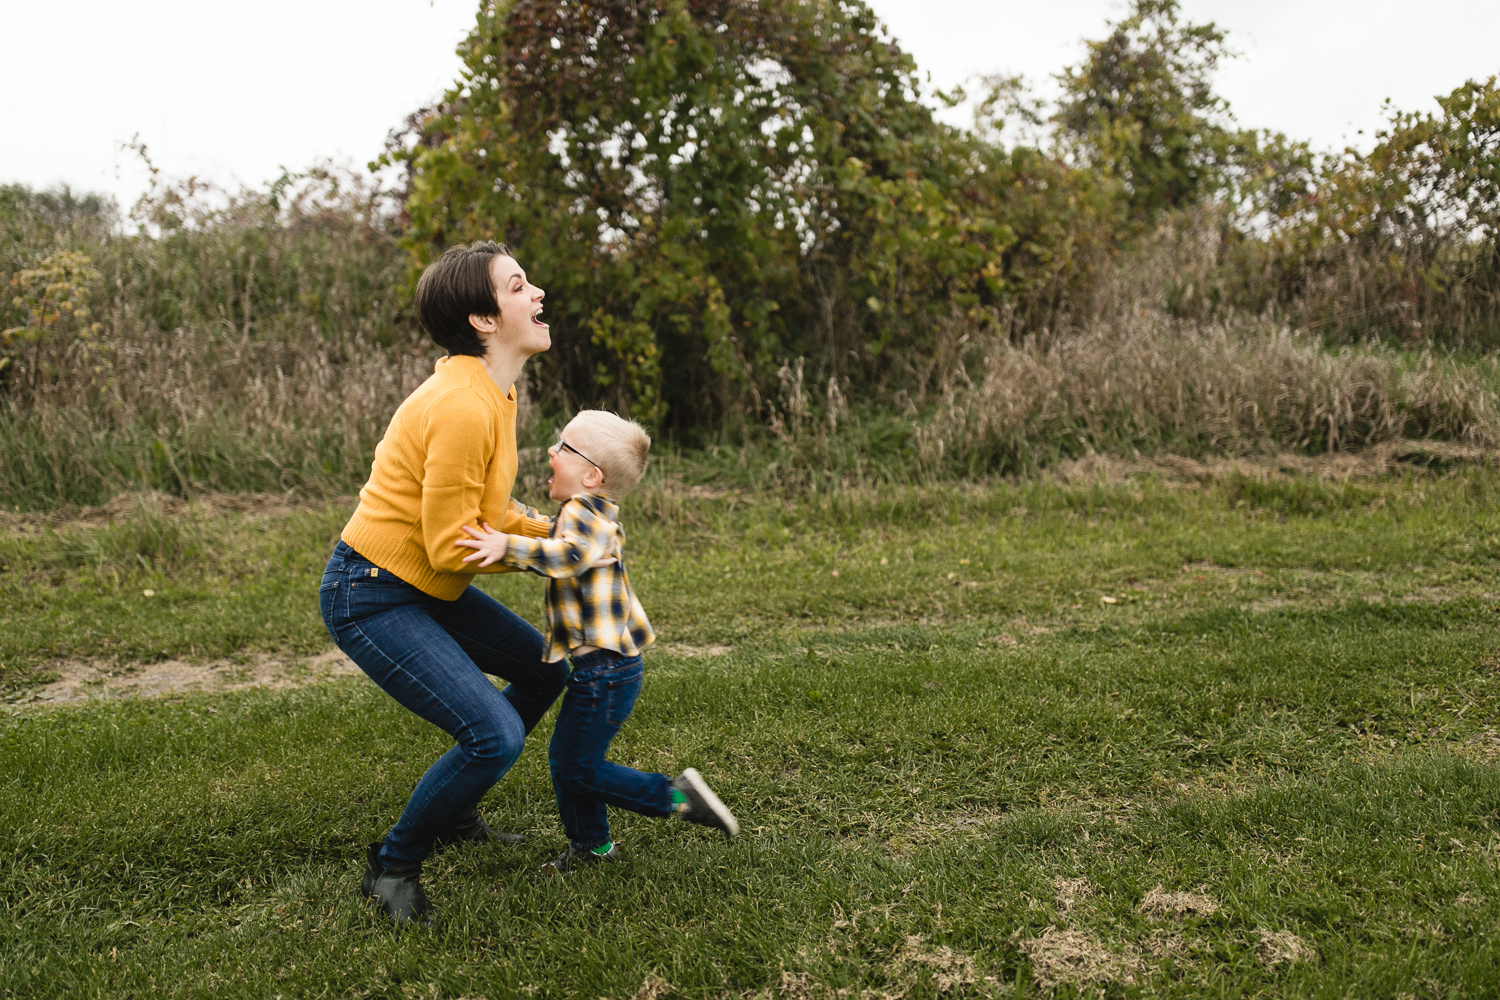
602 690
433 657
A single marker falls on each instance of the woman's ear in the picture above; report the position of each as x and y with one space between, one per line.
484 324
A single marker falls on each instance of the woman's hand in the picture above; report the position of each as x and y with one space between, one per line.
489 545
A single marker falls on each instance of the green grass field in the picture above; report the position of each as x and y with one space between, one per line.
1233 738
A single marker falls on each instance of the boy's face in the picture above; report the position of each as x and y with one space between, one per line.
572 473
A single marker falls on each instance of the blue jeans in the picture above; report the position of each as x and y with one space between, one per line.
602 690
433 657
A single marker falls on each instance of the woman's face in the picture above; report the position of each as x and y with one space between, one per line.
519 325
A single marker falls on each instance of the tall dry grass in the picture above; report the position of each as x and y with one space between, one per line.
1146 381
255 341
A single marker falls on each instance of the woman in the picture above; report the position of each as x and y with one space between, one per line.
396 595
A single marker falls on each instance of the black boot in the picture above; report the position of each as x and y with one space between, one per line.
471 829
397 887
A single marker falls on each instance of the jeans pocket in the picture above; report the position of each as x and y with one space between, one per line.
372 590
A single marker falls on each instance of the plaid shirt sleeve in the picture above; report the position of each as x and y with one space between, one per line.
580 537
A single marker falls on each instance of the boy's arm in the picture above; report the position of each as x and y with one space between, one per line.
581 540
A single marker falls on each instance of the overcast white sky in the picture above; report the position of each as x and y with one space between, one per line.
234 92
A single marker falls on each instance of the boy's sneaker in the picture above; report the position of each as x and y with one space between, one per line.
580 857
703 806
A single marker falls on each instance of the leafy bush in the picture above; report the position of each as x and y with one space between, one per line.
54 299
1405 240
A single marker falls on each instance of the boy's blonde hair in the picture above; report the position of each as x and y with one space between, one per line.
617 445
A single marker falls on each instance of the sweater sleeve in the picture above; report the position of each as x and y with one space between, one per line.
458 438
582 537
520 519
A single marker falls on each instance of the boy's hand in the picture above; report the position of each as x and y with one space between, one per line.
489 545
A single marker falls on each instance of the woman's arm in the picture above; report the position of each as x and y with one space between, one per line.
458 438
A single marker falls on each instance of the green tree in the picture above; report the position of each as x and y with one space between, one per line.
708 188
1141 109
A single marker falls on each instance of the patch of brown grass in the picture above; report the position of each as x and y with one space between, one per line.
1061 957
1070 892
1283 947
952 971
1158 903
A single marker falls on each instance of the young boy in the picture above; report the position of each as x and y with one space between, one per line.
595 620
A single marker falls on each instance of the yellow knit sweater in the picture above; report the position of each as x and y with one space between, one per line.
448 459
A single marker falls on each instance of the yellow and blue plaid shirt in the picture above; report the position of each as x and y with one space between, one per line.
586 605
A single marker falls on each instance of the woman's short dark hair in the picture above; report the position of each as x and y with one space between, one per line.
454 287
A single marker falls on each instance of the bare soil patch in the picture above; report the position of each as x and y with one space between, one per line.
251 505
94 680
1377 460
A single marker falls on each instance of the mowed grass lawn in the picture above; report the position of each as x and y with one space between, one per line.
1234 738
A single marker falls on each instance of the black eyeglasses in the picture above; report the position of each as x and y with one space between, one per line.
564 446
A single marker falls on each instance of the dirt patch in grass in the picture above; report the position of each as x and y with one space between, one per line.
692 652
72 682
1368 463
250 505
76 681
